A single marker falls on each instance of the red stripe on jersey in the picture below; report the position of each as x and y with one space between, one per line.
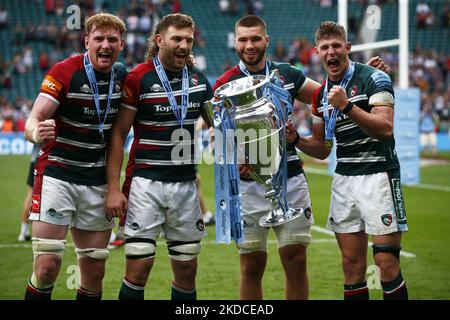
158 100
153 128
149 147
315 102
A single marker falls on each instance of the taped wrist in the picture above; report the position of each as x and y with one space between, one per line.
35 136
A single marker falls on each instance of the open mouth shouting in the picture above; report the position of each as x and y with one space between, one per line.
333 64
180 56
104 57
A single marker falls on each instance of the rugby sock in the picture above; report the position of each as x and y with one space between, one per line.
395 289
183 294
131 291
25 229
33 293
84 294
357 291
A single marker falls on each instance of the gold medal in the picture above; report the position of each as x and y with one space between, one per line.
328 144
102 138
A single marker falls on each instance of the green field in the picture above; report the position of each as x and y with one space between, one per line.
427 272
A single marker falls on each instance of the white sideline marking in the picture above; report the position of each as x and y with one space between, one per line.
419 185
405 254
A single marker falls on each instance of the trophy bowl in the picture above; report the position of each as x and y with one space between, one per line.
260 140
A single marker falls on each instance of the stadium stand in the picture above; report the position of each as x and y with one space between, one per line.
36 36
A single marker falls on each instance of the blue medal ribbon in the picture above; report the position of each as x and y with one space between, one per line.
93 84
180 115
330 120
229 224
282 100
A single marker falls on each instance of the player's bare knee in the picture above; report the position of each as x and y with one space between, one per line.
254 267
387 258
47 272
186 270
298 259
354 267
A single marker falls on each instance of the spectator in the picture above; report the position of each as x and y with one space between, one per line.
445 15
27 59
44 61
423 13
176 6
3 18
224 6
429 122
50 7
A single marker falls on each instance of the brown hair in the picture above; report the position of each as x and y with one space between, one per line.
249 21
329 29
104 21
177 20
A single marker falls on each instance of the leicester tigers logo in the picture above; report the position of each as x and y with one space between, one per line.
354 90
386 219
194 80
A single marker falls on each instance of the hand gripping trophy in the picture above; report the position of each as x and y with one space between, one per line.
249 116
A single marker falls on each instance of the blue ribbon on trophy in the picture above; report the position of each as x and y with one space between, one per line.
330 120
281 98
229 224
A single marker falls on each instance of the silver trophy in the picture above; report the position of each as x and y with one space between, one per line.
260 140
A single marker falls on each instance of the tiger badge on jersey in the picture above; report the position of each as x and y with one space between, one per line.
194 80
354 91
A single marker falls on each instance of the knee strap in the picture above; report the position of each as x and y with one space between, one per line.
183 251
140 248
94 253
48 246
394 250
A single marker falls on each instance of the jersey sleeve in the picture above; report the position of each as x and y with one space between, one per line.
315 103
378 82
298 77
131 91
55 83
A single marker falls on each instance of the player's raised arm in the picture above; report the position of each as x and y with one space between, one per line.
39 128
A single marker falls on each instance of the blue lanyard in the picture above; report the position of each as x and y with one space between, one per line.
93 82
330 121
168 89
247 73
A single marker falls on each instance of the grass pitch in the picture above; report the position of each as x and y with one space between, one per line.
426 271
